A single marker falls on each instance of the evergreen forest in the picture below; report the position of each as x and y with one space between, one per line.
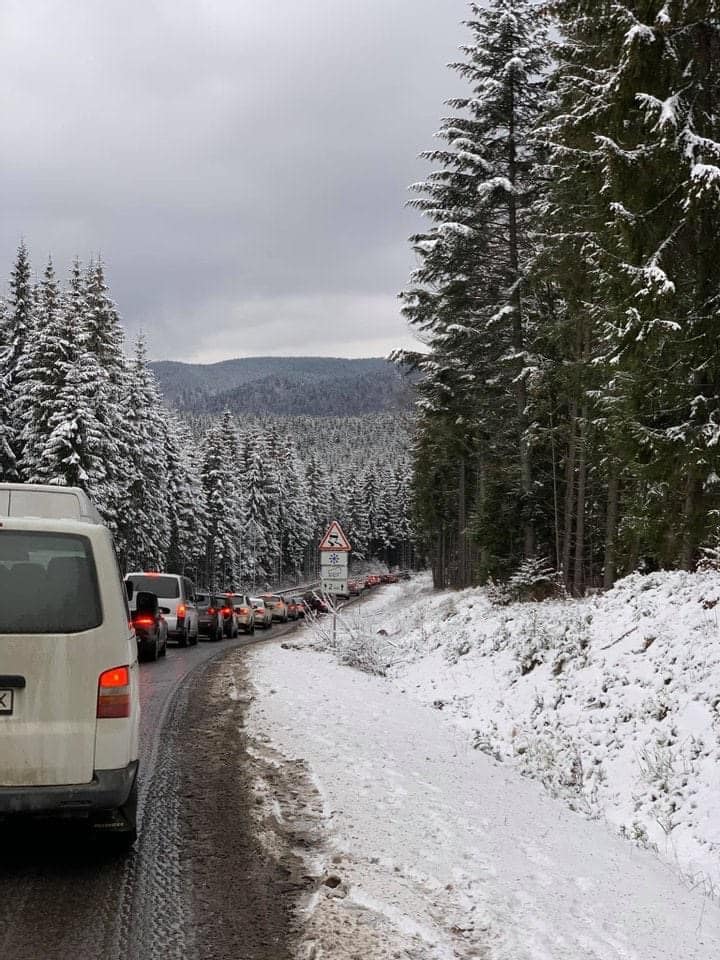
566 294
231 501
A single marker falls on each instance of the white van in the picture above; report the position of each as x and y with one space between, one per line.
176 594
69 696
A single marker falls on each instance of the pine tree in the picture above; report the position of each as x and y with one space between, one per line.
142 518
49 357
468 298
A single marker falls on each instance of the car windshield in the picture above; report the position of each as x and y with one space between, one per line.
257 602
48 583
202 599
166 587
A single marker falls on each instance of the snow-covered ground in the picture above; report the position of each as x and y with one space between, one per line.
440 846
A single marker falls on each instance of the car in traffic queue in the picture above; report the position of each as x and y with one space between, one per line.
263 614
244 612
295 608
150 627
174 592
69 688
354 588
210 618
315 604
372 580
227 612
277 606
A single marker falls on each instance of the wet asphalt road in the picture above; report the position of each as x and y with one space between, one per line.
64 897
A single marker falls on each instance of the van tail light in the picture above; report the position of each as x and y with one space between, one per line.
242 610
226 611
211 609
181 610
113 700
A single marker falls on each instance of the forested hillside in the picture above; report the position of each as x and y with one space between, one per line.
231 501
568 286
286 386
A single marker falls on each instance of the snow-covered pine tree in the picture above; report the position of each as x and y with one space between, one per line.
467 298
75 450
222 530
141 499
186 503
49 355
636 141
18 329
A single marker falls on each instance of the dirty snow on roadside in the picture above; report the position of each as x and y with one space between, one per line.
435 849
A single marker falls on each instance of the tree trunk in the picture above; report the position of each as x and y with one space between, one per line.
462 528
579 571
481 506
519 344
611 523
691 511
569 494
556 508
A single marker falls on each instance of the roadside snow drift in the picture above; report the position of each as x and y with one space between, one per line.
441 847
612 702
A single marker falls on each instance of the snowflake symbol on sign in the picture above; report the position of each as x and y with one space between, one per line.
334 558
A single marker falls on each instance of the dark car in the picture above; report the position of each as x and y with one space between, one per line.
227 611
210 622
150 626
316 604
298 605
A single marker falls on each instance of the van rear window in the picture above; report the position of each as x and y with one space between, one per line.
48 583
167 588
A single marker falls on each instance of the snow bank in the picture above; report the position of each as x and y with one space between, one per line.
611 702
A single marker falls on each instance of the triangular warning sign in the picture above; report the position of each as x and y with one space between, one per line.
335 538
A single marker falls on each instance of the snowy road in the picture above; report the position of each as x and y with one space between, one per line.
437 851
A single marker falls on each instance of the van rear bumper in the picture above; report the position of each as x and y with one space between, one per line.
107 790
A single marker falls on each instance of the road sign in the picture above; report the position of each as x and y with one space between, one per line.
335 539
336 587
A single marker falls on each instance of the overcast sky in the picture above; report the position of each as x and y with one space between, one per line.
241 165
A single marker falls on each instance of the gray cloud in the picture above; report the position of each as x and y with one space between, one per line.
241 165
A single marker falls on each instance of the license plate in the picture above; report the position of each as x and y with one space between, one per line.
6 701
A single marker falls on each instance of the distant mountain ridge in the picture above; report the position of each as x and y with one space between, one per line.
286 386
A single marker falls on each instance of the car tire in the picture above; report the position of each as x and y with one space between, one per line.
183 638
148 652
163 648
219 634
193 637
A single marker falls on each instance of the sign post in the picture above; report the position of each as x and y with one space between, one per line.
334 554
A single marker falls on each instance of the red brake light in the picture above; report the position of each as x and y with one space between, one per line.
211 609
226 610
243 610
143 621
117 677
181 610
113 700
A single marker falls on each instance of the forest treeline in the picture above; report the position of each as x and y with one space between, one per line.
567 292
229 501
